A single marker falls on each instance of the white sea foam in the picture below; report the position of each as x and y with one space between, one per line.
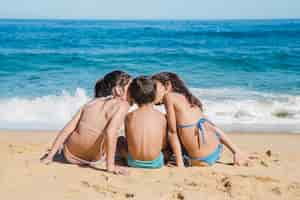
238 109
233 109
47 112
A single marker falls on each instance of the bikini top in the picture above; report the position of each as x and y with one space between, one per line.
199 125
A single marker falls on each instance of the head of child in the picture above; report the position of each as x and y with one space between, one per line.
115 84
170 82
142 90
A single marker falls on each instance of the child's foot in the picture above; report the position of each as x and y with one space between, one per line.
241 159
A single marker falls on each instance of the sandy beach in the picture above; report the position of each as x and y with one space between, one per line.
274 174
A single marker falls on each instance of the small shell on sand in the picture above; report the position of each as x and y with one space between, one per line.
129 195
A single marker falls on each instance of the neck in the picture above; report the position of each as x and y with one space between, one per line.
148 105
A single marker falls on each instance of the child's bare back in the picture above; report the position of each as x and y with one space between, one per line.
145 128
88 139
146 132
189 136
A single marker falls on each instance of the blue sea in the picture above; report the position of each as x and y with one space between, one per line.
246 72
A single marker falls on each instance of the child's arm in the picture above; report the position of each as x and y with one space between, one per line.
61 137
112 134
172 133
240 158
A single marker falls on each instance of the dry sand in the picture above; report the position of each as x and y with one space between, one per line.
273 175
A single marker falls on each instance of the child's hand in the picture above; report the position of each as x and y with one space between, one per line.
240 159
122 171
45 159
180 165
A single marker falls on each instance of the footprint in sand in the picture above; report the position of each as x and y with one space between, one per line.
276 190
85 184
190 183
264 179
294 188
227 184
180 196
263 163
16 149
266 159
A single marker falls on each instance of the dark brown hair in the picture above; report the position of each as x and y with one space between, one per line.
142 90
178 86
105 85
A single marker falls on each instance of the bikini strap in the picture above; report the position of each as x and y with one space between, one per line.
201 129
186 125
199 125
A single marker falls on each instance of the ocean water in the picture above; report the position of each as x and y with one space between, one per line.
247 73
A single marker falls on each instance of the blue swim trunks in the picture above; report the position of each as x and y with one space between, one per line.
150 164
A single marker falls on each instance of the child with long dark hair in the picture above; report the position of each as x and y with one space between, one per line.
201 140
92 133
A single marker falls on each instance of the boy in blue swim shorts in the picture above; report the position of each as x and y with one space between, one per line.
145 127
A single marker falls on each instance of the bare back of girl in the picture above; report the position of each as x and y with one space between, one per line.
87 142
196 145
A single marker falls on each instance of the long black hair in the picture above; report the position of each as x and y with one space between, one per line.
105 85
178 86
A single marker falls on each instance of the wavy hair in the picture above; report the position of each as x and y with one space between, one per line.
178 86
105 85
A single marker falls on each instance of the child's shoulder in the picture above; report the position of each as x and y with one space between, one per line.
136 113
130 115
118 103
174 96
159 114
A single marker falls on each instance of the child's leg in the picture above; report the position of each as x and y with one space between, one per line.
70 158
198 163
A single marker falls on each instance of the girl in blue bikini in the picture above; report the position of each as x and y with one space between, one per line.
191 135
